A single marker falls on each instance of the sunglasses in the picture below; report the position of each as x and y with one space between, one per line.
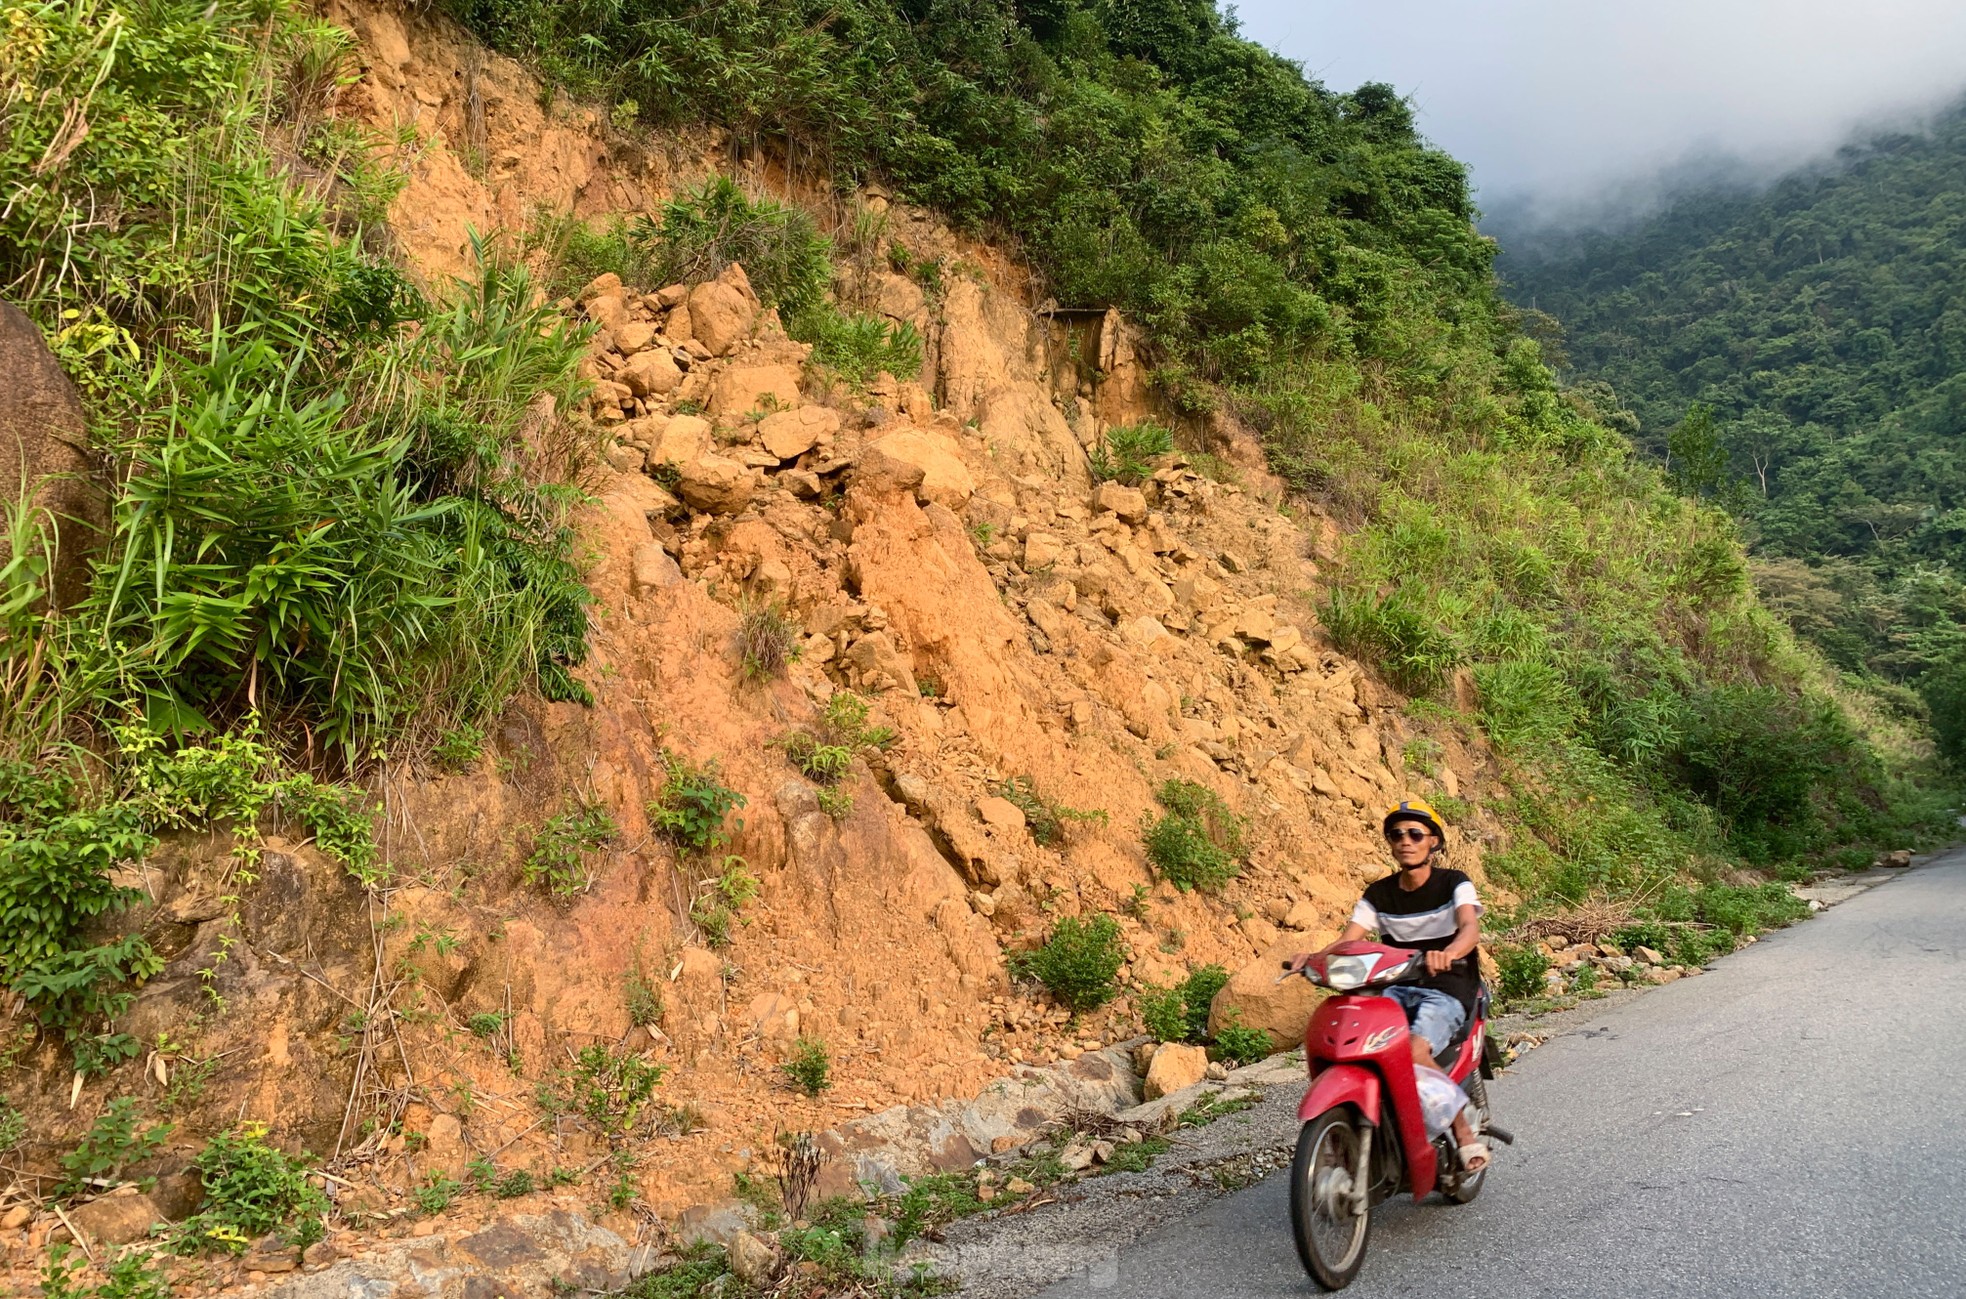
1412 834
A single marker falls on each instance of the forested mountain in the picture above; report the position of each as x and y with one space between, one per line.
1799 353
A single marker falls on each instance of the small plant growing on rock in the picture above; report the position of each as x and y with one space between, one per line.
810 1068
694 805
513 1184
436 1193
836 802
1198 843
1043 818
1079 963
459 747
643 993
716 910
486 1024
608 1090
767 642
1125 455
845 721
559 855
824 754
816 761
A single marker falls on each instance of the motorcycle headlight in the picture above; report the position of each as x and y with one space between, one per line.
1347 972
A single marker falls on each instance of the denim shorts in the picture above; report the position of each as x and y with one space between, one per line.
1434 1015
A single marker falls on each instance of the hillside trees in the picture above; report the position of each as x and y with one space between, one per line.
1812 327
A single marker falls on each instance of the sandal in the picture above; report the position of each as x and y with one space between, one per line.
1474 1156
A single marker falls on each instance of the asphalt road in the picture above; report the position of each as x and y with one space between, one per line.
1791 1124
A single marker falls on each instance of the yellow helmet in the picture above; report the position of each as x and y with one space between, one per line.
1412 809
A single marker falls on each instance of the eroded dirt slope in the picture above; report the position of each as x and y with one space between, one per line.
944 552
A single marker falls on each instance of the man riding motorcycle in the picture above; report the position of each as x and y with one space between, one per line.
1430 907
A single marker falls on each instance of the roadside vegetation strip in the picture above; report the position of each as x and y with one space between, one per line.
853 1245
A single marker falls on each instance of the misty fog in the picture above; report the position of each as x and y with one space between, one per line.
1569 110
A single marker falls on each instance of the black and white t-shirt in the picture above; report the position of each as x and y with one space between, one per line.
1423 918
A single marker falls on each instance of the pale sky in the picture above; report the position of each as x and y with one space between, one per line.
1562 100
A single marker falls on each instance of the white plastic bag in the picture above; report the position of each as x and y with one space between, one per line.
1441 1098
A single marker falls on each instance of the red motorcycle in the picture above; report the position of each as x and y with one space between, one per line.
1365 1137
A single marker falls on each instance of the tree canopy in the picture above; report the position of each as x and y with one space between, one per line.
1813 333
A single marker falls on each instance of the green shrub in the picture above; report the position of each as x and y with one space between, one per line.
816 761
1239 1045
577 252
1126 454
1759 755
81 992
1198 843
609 1090
436 1192
1180 1013
1198 994
858 346
113 1142
1525 703
513 1184
703 230
1163 1013
251 1189
55 874
559 855
1078 963
692 810
130 1276
1396 635
810 1068
459 747
1522 968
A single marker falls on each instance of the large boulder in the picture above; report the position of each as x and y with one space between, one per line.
722 311
117 1218
1174 1066
900 456
44 444
650 373
680 440
715 484
791 433
1254 998
745 388
1127 502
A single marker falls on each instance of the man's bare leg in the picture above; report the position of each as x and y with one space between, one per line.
1423 1056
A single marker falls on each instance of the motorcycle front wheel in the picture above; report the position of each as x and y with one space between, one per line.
1325 1214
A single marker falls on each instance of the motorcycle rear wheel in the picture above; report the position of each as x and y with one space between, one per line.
1330 1236
1461 1189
